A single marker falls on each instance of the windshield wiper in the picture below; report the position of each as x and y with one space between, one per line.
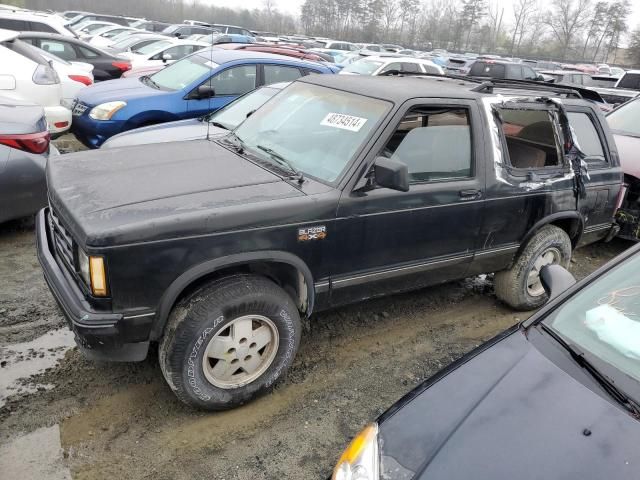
217 124
236 142
148 81
607 384
282 161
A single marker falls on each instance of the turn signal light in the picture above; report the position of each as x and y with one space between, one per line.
98 276
31 142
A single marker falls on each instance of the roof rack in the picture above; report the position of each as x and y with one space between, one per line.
489 85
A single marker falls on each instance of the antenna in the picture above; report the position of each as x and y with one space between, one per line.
210 96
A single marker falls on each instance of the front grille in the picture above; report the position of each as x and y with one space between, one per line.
79 108
62 241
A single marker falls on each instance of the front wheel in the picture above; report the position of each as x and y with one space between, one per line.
520 287
229 342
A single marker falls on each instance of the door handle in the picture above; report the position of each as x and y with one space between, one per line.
471 194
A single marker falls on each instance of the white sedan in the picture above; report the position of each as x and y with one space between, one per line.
103 36
384 65
163 52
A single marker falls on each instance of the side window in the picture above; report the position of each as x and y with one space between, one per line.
176 52
234 81
41 27
430 69
59 49
514 72
529 73
86 53
30 41
280 73
530 138
434 144
587 137
11 24
392 66
411 67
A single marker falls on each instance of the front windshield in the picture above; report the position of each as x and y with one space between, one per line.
183 72
152 47
236 113
604 318
125 42
363 67
95 28
625 118
316 129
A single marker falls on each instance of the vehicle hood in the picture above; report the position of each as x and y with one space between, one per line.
629 153
191 129
120 89
148 192
508 413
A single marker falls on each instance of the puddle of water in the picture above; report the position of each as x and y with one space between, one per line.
23 360
36 455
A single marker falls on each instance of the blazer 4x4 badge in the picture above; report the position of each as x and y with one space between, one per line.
318 232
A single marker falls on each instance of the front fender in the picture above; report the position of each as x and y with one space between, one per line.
180 284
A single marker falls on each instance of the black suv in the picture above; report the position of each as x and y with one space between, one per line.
338 189
503 70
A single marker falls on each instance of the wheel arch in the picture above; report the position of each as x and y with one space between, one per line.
150 117
571 222
286 269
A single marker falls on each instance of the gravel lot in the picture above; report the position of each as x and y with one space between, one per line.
122 421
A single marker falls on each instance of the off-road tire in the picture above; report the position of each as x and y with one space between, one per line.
208 311
511 284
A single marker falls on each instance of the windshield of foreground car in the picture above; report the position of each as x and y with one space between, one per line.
363 67
625 118
235 113
603 319
316 129
182 73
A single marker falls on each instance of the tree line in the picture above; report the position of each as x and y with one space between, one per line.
576 30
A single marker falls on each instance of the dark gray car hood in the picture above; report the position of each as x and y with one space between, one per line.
151 192
507 414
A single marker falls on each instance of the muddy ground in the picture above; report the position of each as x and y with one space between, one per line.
121 420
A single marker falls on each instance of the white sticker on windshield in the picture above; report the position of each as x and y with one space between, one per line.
346 122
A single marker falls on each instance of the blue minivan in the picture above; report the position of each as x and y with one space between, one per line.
192 87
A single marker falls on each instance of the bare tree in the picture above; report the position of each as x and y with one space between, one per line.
567 18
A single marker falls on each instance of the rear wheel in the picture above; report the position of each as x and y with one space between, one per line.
229 342
520 286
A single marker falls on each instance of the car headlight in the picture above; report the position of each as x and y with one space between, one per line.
93 273
105 111
360 461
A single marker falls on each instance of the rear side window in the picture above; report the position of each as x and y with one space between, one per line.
86 53
280 73
587 136
483 69
530 138
434 144
411 67
41 27
514 72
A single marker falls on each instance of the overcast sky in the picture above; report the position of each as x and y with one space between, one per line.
293 7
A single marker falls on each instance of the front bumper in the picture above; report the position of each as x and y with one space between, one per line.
93 133
100 335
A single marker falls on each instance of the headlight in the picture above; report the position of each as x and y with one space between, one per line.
360 459
93 273
107 110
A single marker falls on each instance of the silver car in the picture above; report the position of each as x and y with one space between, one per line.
24 151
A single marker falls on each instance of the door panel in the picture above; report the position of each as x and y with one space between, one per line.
392 241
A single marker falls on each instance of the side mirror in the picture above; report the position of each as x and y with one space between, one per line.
203 92
393 174
166 57
555 280
540 78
